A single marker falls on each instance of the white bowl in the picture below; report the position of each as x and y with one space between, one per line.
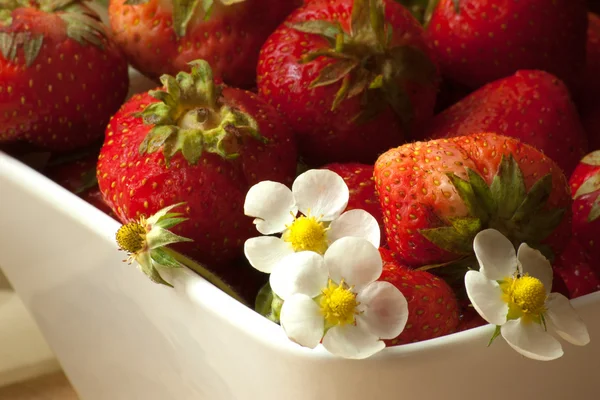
119 336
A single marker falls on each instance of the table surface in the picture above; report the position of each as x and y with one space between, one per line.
54 386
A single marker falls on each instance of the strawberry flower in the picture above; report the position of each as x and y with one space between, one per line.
512 291
336 299
320 196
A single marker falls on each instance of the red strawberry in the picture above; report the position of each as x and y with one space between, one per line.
198 143
590 101
479 41
470 319
359 178
79 177
432 305
161 37
575 268
61 76
351 101
585 189
532 106
437 195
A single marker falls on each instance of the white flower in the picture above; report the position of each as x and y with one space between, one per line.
336 298
512 291
320 196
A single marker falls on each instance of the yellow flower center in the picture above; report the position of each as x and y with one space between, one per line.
307 234
131 237
338 304
525 295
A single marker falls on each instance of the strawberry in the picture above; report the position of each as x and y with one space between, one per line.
532 106
590 100
585 189
432 305
437 195
79 177
198 143
470 319
161 37
480 41
359 178
575 268
351 77
591 124
61 76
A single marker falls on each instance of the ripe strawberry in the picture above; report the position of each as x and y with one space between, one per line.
437 195
585 189
469 319
164 36
79 177
198 143
575 268
351 77
432 306
479 41
532 106
359 178
61 76
590 100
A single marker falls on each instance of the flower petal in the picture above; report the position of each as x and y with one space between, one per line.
302 321
302 272
355 260
384 309
532 262
272 204
321 193
352 341
486 297
264 252
495 254
357 223
531 340
565 320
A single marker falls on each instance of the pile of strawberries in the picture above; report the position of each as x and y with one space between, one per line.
443 117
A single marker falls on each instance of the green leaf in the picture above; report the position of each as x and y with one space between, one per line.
535 200
450 239
156 138
135 2
416 7
168 223
539 226
183 10
331 53
360 18
358 83
591 185
148 268
164 259
159 114
31 48
397 98
378 25
595 210
334 72
497 333
88 181
412 65
326 29
6 45
468 227
508 187
203 88
264 298
10 43
190 143
592 159
482 192
468 196
171 85
207 6
159 237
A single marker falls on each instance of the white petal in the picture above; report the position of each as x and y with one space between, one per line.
352 341
496 254
302 321
355 260
486 297
357 223
532 262
531 340
384 309
264 252
322 193
272 204
565 320
302 272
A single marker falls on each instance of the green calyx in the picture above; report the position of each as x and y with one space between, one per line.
366 63
423 9
505 205
11 42
268 304
591 185
190 118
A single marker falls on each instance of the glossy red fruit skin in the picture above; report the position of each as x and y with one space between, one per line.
359 178
229 40
327 136
489 40
585 231
432 305
416 194
580 274
65 98
532 106
214 189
